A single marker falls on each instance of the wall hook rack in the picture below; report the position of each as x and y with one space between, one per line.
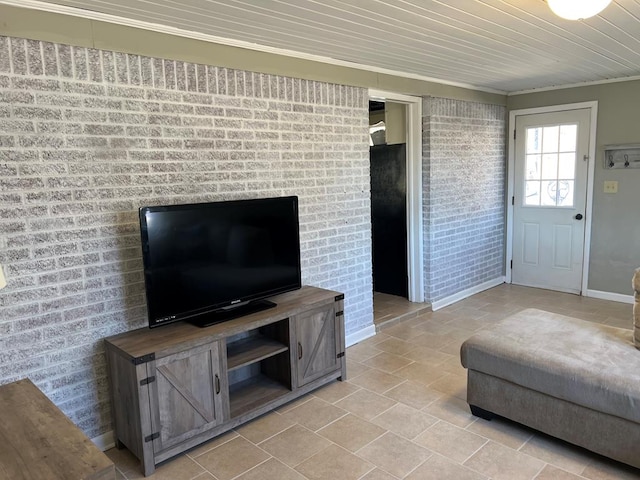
622 156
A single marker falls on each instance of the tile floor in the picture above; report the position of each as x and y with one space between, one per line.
389 309
402 413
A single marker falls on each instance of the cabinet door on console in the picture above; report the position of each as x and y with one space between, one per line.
318 343
189 394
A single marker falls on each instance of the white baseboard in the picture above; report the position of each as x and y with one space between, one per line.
456 297
614 297
104 441
360 335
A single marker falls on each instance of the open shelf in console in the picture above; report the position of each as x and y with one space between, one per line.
259 367
254 392
250 350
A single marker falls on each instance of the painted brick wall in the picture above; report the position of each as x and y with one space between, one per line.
88 136
464 167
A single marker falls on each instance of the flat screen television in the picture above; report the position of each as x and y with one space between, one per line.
209 262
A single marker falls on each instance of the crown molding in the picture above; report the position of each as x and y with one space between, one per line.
574 85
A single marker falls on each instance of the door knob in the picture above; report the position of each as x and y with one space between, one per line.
578 216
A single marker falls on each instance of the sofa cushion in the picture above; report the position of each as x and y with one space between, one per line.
589 364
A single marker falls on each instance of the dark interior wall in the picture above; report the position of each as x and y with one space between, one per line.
389 218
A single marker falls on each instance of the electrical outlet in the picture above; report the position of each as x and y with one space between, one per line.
611 186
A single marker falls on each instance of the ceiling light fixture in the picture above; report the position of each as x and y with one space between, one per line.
577 9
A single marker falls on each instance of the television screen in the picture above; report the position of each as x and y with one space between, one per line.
212 261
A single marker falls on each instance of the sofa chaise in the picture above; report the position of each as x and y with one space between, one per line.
569 378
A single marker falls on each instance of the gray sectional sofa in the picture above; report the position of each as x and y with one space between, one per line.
572 379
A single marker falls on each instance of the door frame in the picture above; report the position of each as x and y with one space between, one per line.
593 107
415 235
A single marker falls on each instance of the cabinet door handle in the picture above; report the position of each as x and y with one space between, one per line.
299 351
217 384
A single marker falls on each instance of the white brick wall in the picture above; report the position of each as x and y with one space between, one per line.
464 211
88 136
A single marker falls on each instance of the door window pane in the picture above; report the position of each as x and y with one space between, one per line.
532 193
565 193
533 167
534 140
568 138
550 139
550 165
567 166
548 194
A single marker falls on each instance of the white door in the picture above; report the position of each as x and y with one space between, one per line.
550 193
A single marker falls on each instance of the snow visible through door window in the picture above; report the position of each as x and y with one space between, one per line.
550 165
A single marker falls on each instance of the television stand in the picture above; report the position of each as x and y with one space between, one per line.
177 386
235 311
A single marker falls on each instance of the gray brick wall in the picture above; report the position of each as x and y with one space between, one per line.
88 136
464 166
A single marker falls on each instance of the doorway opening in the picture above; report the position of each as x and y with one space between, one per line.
396 206
388 167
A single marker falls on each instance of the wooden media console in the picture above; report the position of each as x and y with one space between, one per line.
177 386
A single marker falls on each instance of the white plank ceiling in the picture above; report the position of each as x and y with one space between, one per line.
494 45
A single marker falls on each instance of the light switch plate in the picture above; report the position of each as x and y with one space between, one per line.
611 186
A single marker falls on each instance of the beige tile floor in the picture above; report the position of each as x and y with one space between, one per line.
389 309
402 413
